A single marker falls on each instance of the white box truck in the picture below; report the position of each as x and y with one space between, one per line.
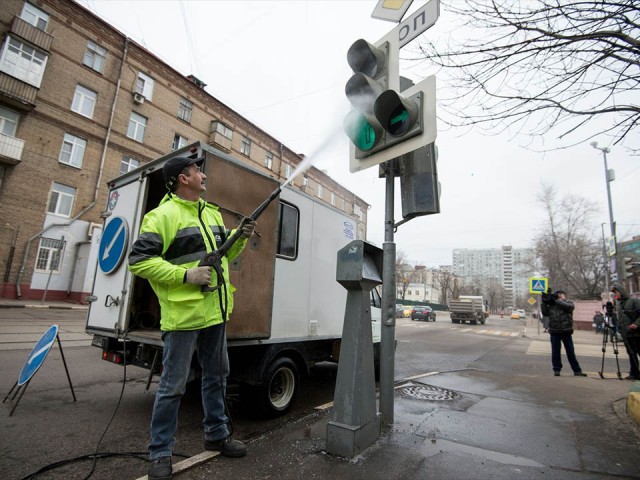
288 308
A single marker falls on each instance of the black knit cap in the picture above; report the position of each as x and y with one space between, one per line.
560 291
175 166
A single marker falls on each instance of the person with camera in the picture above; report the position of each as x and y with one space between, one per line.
628 322
560 312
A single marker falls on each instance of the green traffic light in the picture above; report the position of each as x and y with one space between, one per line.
363 135
398 124
366 137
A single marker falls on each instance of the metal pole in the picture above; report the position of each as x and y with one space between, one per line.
612 224
387 334
606 259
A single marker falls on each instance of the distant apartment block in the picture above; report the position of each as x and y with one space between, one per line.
507 267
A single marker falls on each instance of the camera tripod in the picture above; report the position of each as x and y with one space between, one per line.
610 332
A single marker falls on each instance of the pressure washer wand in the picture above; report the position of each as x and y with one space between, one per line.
214 259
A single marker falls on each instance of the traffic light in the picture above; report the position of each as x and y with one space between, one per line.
625 268
370 65
381 117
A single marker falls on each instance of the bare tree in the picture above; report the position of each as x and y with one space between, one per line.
405 274
541 65
567 248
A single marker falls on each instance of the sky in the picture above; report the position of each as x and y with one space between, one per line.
282 65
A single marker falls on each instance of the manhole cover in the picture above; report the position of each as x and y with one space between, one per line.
428 392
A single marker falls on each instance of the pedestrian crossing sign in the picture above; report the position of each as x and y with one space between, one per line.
538 285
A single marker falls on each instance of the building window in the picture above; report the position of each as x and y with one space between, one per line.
305 181
22 61
8 122
49 254
127 164
320 190
144 86
95 56
72 151
34 16
137 127
245 147
287 171
333 199
287 241
268 160
61 200
84 101
185 108
179 141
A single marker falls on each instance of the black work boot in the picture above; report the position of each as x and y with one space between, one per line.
227 446
160 469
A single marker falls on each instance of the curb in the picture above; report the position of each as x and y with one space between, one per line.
38 306
633 402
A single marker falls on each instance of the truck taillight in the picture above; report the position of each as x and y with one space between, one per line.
113 357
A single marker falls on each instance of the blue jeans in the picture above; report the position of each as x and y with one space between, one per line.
179 346
565 339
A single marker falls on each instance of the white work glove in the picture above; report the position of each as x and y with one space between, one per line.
198 276
248 228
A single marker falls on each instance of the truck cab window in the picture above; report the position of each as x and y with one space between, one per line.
376 300
288 232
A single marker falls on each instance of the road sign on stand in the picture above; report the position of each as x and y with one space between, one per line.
35 359
538 286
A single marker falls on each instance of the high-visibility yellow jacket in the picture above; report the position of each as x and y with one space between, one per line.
174 237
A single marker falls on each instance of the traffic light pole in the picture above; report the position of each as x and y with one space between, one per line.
388 327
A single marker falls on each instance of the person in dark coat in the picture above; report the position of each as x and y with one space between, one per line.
598 321
560 313
628 323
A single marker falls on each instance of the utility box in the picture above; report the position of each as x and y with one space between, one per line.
355 423
359 262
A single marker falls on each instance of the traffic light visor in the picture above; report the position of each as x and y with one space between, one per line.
396 114
367 59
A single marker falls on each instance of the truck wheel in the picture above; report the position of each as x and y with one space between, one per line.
275 396
473 322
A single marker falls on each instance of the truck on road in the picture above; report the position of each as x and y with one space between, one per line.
288 308
469 308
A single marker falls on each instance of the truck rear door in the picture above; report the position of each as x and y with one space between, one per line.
112 280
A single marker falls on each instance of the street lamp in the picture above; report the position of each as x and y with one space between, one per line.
608 179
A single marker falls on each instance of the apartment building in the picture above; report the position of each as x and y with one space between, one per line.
508 267
80 104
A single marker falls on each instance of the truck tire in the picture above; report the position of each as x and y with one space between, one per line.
278 390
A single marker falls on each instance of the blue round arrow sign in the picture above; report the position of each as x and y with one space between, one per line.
38 354
113 244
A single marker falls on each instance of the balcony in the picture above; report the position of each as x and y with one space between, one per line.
36 37
219 141
16 93
10 149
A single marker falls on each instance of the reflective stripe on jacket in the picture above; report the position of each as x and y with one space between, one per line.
174 237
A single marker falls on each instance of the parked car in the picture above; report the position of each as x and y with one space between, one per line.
423 313
406 313
399 311
515 315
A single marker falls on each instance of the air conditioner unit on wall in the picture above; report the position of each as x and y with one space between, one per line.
138 98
